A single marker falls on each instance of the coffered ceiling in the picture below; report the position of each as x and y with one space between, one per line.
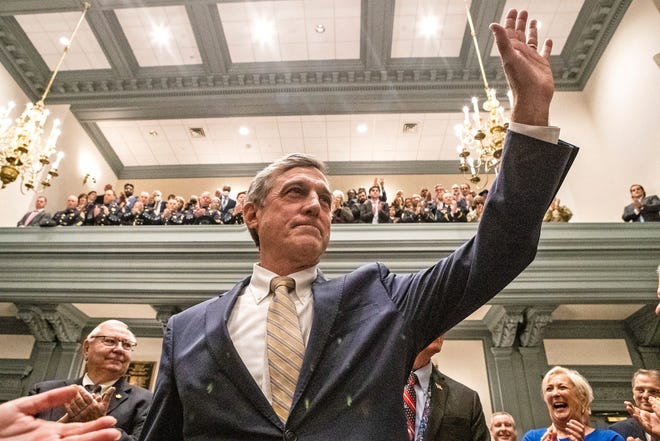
351 81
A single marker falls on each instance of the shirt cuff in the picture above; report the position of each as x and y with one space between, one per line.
548 134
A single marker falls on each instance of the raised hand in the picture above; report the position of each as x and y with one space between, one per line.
527 70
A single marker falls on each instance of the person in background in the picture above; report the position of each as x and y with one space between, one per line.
107 352
557 212
70 215
568 397
503 427
645 384
642 208
38 216
478 203
649 420
340 213
439 408
17 421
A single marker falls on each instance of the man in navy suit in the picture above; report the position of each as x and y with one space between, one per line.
446 410
645 384
362 331
107 352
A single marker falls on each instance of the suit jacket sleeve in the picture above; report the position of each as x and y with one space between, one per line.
436 299
479 429
166 409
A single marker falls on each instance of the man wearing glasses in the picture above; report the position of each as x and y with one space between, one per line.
103 389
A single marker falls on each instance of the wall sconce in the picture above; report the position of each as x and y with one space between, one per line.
89 178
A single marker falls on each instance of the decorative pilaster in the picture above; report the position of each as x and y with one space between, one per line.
645 327
536 320
57 330
503 324
534 367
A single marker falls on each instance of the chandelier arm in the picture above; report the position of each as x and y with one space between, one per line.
86 6
476 46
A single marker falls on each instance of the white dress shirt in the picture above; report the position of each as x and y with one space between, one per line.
421 392
247 321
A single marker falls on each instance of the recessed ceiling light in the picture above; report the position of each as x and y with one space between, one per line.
362 128
244 131
320 28
161 35
429 26
64 41
263 31
153 133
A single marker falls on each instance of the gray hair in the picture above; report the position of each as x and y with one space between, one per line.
263 182
95 331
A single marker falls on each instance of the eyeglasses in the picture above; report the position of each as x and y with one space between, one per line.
112 342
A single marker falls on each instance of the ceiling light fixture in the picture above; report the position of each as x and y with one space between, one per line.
429 26
263 31
161 35
244 131
482 139
23 152
362 128
320 28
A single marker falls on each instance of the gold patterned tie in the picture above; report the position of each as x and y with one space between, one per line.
285 345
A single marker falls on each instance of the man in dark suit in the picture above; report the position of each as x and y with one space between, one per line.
446 410
227 204
36 217
642 208
357 335
645 384
107 352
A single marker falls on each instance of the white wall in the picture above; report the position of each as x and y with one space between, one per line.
615 121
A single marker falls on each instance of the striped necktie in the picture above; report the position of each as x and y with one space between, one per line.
410 404
284 345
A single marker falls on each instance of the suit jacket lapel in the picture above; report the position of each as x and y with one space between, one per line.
121 394
439 392
228 360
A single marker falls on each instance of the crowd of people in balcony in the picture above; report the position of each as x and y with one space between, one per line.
458 203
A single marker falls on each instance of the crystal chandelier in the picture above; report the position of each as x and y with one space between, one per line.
23 151
482 138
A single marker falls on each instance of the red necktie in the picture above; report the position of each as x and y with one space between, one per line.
410 404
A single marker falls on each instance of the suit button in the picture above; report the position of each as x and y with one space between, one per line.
290 435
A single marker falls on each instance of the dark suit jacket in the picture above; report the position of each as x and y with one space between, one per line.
456 413
41 218
129 405
368 326
651 212
629 427
229 208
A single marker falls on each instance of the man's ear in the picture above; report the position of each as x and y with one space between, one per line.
250 215
85 349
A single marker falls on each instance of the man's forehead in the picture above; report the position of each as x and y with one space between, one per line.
646 379
303 174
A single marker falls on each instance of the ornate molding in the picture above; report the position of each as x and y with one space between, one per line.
503 324
51 323
34 319
536 319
